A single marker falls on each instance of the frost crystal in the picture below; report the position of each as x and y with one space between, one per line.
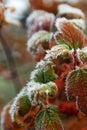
43 63
69 1
38 92
80 23
3 115
56 51
14 106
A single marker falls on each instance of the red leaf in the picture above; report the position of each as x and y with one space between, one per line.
69 33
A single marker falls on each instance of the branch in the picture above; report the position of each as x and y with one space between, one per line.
11 62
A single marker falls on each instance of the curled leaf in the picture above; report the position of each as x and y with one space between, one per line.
76 88
39 42
20 106
69 34
48 119
82 55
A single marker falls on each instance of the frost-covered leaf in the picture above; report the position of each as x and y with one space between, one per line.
20 106
39 20
69 34
48 119
57 51
82 55
43 74
39 40
76 88
65 10
39 92
59 55
35 94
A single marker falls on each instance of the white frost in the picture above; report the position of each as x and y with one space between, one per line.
66 9
37 39
79 23
40 16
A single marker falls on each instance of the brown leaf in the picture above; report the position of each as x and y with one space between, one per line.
69 33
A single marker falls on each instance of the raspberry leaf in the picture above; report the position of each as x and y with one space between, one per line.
76 88
48 119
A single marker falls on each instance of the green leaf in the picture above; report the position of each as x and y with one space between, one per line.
20 106
48 119
76 88
24 105
64 42
44 74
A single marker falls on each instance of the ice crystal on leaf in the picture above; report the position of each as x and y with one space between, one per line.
20 106
48 119
76 88
56 51
80 23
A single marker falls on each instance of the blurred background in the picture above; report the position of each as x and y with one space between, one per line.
16 62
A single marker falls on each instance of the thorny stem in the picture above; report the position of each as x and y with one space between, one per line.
11 62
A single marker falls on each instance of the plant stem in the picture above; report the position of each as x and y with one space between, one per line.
11 62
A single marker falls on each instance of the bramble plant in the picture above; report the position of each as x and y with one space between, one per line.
59 78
